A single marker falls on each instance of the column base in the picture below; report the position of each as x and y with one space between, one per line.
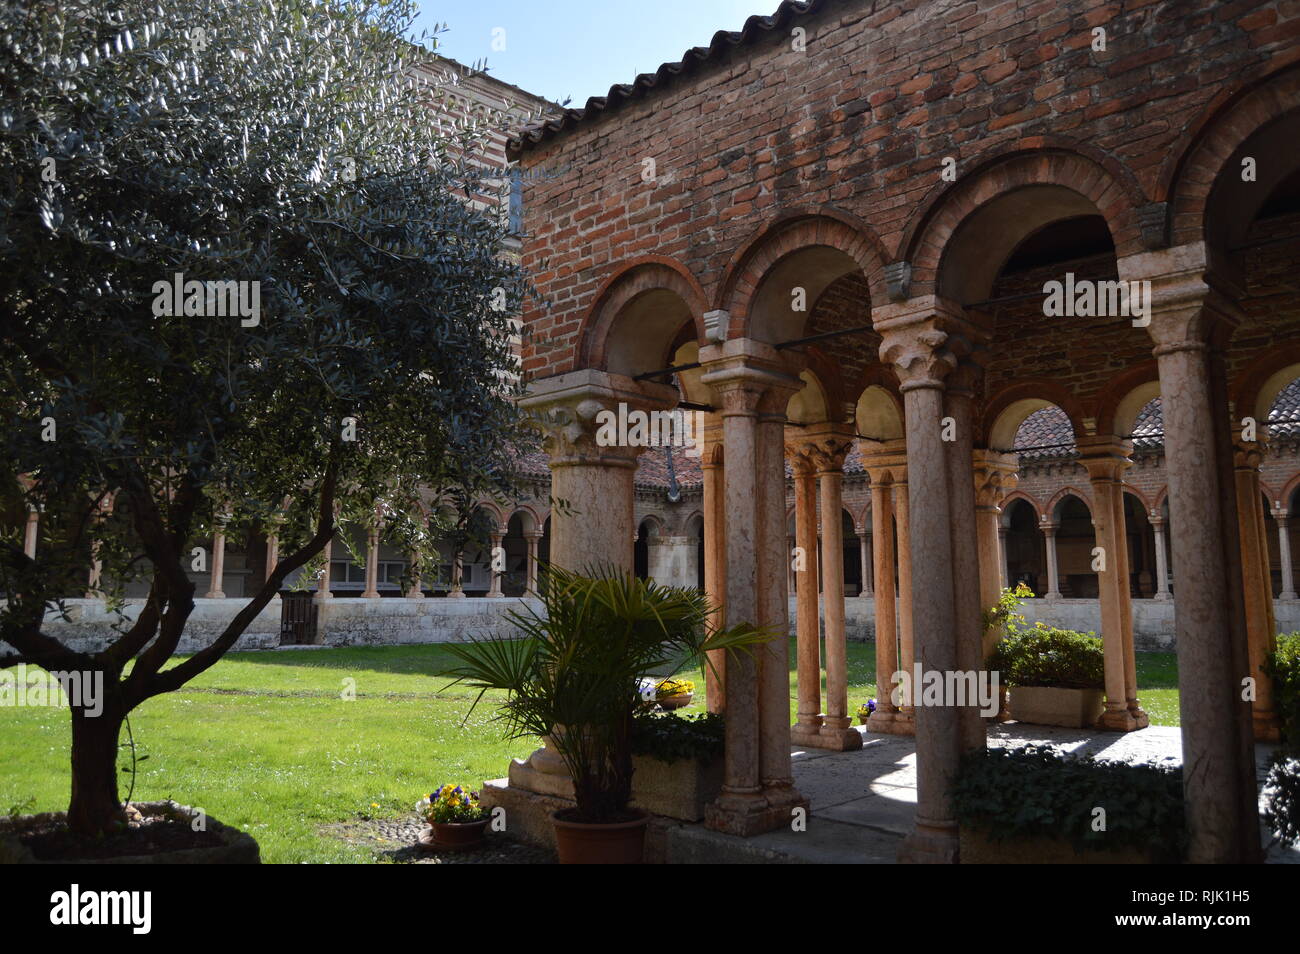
1140 714
1162 597
836 740
930 845
753 813
1287 596
1119 720
1052 597
891 723
805 734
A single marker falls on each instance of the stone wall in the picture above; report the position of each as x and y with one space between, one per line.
341 622
392 622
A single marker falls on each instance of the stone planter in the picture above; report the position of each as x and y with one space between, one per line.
1072 708
239 848
678 789
978 848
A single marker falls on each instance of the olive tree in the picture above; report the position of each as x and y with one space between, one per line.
242 284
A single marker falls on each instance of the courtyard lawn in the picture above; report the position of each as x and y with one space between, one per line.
265 741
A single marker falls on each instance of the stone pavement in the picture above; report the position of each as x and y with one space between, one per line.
863 801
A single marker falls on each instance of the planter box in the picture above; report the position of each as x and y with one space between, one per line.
978 848
1073 708
678 789
239 848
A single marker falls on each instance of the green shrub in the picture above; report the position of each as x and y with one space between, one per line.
671 738
1284 666
1282 799
1036 791
1055 658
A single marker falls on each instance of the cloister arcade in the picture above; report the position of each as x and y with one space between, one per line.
923 360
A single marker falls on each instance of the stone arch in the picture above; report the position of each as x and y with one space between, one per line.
530 519
811 404
1288 492
1260 382
824 244
1191 173
1058 499
1006 410
637 316
879 414
1124 396
958 240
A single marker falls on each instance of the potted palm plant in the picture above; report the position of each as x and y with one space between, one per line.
574 678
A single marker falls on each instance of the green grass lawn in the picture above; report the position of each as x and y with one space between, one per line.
265 741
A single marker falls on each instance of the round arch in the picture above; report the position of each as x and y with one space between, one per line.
638 315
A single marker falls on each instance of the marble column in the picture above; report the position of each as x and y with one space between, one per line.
885 718
828 445
715 554
457 591
807 727
534 539
1192 315
415 591
494 590
323 579
790 581
272 555
218 567
864 558
905 719
1261 627
959 407
923 341
592 470
30 533
1284 550
995 477
1002 555
1049 529
1106 459
752 384
1162 556
371 591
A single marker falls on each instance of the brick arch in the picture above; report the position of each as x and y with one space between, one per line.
1119 387
1015 495
792 230
1045 389
1067 491
1161 496
1107 184
1232 117
1250 382
1141 498
1288 490
628 281
528 513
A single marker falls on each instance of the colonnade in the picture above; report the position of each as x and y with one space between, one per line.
944 494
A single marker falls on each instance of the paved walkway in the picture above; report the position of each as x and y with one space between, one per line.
863 802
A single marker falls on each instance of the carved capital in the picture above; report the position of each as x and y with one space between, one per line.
996 476
590 417
1105 458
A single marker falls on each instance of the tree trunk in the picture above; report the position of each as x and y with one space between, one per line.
95 807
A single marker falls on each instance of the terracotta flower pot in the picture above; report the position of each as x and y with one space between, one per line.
862 719
620 843
677 700
454 836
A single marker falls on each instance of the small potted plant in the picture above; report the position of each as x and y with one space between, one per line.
865 710
575 680
674 693
457 822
